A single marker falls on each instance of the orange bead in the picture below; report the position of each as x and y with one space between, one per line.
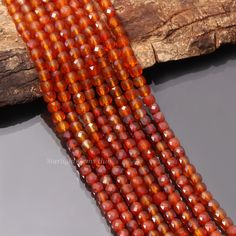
49 96
46 86
64 96
74 52
79 98
131 94
75 127
102 90
36 54
75 88
54 106
63 57
84 22
82 108
67 106
58 117
71 77
72 117
60 86
127 84
17 17
105 100
136 71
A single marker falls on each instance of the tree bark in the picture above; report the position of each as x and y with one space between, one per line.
159 30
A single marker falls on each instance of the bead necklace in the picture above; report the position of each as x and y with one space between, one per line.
103 109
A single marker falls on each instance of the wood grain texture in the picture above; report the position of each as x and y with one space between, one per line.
159 30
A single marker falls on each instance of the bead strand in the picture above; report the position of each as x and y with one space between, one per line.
91 179
150 101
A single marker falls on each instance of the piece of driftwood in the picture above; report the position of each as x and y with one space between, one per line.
160 31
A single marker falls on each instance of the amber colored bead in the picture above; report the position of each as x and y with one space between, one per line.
210 227
186 216
54 106
67 106
180 207
148 226
44 75
58 117
64 96
46 20
206 196
213 205
60 86
49 96
220 214
26 35
72 117
204 218
30 16
62 127
84 22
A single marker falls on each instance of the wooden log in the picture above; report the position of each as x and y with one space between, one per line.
159 30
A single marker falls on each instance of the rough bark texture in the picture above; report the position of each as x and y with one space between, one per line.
160 31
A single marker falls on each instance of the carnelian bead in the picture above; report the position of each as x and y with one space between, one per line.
75 127
17 17
127 52
35 26
30 16
46 86
84 22
136 71
107 206
66 67
36 54
63 57
58 117
127 84
26 35
67 106
64 96
62 126
131 94
72 117
49 96
26 8
54 106
60 86
206 196
123 41
12 9
82 108
114 54
110 44
117 225
119 32
148 226
213 205
70 43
